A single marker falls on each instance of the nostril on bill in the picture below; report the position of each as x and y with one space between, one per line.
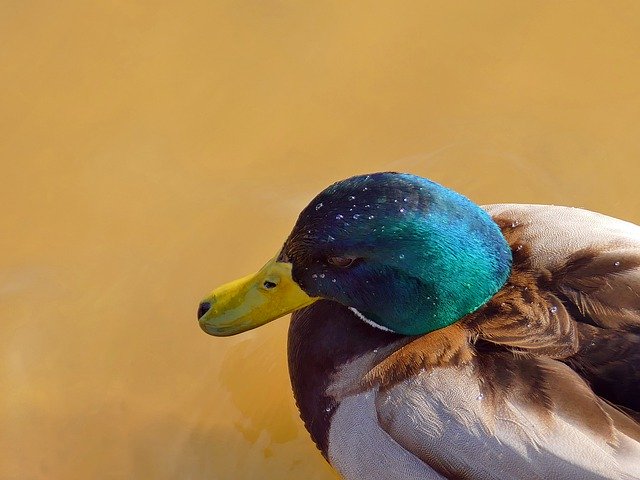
203 308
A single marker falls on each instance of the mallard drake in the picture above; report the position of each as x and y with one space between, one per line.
433 338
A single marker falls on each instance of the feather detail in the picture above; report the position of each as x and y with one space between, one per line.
577 434
604 286
448 347
609 360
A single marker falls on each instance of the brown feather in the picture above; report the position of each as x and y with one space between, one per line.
448 346
605 286
609 360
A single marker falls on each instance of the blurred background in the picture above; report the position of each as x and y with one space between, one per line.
153 150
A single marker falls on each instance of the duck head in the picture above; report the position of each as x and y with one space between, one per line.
405 254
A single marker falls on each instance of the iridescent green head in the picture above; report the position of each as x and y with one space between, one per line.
404 253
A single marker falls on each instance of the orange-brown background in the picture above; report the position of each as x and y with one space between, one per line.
152 150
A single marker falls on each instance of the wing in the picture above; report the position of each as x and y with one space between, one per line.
452 419
587 267
595 259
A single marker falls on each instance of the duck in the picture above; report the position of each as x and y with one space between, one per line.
433 338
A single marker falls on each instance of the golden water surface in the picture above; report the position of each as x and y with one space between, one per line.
153 150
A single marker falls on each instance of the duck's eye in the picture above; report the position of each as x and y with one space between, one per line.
341 262
267 284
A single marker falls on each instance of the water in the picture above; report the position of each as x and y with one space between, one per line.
151 152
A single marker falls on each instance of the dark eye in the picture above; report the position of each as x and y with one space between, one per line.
341 262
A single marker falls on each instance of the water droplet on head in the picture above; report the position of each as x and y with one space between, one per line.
330 238
370 217
339 217
356 216
365 189
553 309
319 206
314 276
617 264
515 223
351 197
367 206
375 350
322 275
405 199
529 325
402 210
334 280
395 200
401 256
328 409
518 248
480 396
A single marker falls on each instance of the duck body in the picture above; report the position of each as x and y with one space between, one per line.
541 380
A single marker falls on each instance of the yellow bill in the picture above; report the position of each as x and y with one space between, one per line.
252 301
